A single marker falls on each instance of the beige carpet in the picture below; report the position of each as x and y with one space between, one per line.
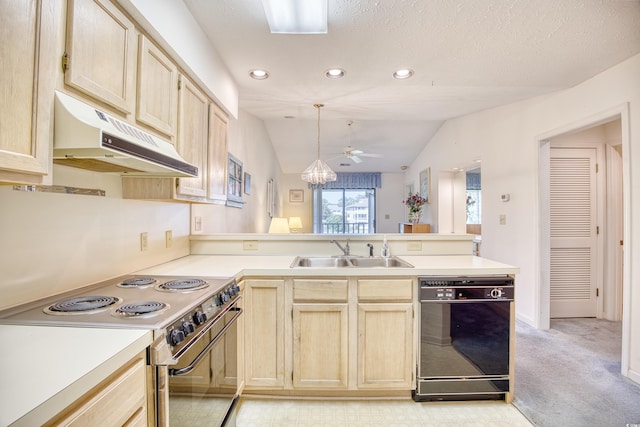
570 375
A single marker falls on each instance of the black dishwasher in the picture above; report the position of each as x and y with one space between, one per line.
464 349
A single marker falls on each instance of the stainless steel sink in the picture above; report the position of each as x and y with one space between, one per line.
349 262
320 262
390 262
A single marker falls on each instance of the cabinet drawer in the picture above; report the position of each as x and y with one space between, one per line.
385 289
121 400
320 290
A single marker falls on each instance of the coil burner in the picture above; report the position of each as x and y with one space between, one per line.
137 282
182 285
140 309
82 305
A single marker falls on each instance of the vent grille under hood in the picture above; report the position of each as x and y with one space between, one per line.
87 138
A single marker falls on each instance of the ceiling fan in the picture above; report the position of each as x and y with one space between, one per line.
354 153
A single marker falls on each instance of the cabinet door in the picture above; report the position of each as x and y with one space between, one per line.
101 48
385 346
320 346
193 115
27 57
264 333
157 101
217 153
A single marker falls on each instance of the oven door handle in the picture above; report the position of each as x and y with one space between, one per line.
198 358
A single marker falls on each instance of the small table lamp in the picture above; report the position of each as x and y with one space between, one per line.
279 225
295 224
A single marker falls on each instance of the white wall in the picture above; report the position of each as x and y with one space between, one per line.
506 139
53 243
249 143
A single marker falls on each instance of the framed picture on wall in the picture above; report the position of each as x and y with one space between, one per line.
425 184
296 196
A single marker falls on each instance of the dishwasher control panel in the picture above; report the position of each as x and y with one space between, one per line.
481 288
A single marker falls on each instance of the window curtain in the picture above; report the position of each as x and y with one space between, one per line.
473 181
353 181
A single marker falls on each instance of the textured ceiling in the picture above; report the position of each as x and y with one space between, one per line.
468 55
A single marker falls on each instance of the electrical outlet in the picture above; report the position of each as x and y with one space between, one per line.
197 224
144 241
503 219
168 238
414 246
250 245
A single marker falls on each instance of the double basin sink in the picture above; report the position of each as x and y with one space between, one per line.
349 262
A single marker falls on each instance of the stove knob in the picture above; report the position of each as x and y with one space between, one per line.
237 288
218 300
187 328
199 317
225 297
175 337
231 291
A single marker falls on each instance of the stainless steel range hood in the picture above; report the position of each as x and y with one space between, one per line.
88 138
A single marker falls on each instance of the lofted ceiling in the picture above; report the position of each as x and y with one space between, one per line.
467 55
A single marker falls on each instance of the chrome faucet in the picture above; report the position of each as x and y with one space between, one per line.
345 250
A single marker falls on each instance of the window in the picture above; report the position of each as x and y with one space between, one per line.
344 211
234 182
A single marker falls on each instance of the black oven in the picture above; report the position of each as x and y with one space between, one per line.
465 338
200 387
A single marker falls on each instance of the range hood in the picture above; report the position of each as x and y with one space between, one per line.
87 138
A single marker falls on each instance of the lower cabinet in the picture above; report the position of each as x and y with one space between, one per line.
264 333
385 350
385 333
319 334
121 400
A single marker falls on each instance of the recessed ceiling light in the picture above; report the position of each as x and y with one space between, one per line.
335 73
258 74
403 73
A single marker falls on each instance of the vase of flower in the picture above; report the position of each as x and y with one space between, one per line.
414 216
415 202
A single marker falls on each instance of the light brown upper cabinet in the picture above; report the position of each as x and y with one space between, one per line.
157 100
218 134
27 55
101 53
193 127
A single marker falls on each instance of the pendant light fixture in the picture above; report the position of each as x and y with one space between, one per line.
318 172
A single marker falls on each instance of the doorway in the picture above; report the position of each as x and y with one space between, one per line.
607 268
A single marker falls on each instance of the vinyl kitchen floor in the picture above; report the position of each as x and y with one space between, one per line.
308 413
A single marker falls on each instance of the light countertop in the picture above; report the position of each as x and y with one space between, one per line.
279 265
38 362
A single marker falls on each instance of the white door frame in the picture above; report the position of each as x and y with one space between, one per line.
542 291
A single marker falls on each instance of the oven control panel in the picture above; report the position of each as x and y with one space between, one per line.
180 331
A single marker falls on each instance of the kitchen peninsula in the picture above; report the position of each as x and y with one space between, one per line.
282 302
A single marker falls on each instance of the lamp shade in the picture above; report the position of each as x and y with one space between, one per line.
295 223
279 225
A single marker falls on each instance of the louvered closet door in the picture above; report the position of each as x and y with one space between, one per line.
573 232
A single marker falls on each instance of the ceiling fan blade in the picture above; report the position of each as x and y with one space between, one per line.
356 159
370 155
356 152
